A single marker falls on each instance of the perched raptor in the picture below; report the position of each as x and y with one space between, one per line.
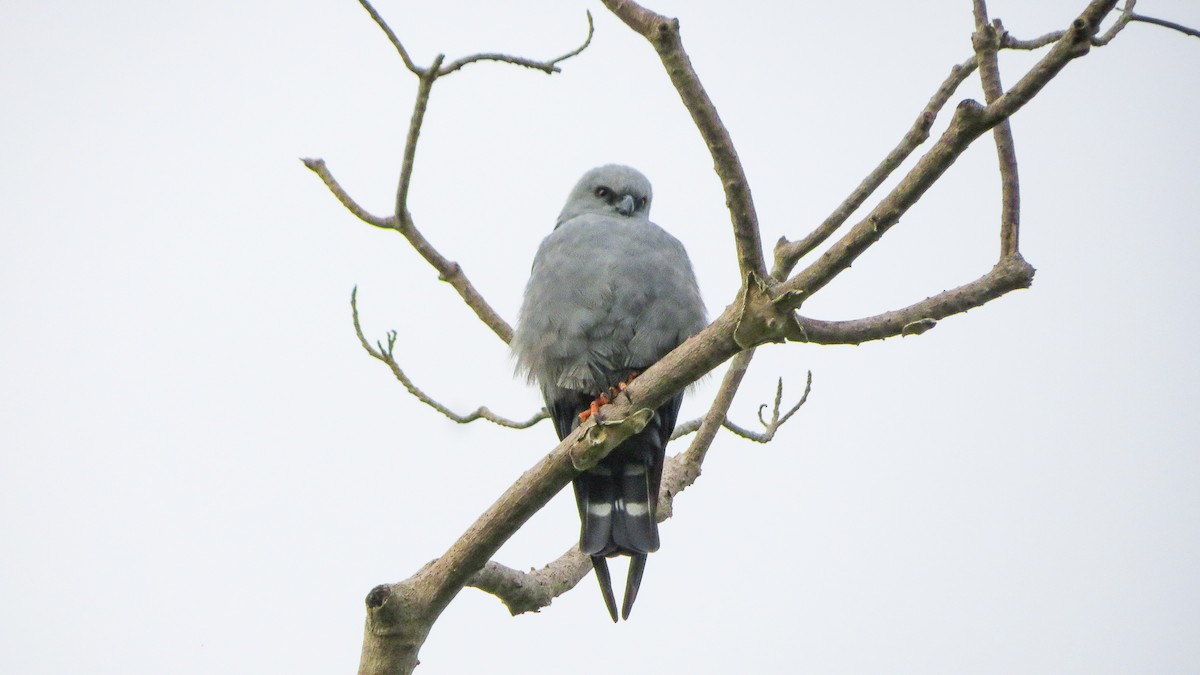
610 293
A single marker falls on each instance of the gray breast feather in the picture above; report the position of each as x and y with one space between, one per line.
606 294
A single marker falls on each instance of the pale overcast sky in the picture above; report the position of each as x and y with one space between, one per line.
202 472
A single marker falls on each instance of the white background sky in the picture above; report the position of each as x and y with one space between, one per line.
202 472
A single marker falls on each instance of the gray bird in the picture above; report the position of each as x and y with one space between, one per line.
610 293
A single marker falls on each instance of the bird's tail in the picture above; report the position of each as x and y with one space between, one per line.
617 513
618 505
618 498
617 516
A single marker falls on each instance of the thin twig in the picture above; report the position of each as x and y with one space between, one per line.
408 62
387 355
420 105
548 67
1165 24
318 167
769 428
1118 25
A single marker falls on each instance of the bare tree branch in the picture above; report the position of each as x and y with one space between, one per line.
448 270
684 468
986 41
788 253
1118 25
408 62
1010 274
387 355
1010 42
970 121
401 220
1007 41
530 591
420 105
318 167
544 66
663 35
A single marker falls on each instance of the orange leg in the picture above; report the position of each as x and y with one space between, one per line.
594 409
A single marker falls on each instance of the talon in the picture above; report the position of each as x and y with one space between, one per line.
594 408
624 384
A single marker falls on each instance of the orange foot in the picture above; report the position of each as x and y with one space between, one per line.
624 384
621 386
608 396
594 408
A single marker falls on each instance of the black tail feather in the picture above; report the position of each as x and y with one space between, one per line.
596 497
634 528
610 601
637 565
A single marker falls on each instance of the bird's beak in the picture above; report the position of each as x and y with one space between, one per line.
625 206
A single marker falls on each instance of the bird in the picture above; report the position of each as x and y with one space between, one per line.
609 294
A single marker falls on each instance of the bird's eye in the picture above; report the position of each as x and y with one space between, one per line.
641 203
602 192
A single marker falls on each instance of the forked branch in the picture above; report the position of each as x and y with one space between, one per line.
970 121
778 418
400 219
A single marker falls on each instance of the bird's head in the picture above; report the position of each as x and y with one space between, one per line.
611 190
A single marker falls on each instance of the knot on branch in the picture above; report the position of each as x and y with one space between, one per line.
378 596
1014 267
967 115
986 39
667 29
397 611
763 319
1080 36
925 123
451 271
